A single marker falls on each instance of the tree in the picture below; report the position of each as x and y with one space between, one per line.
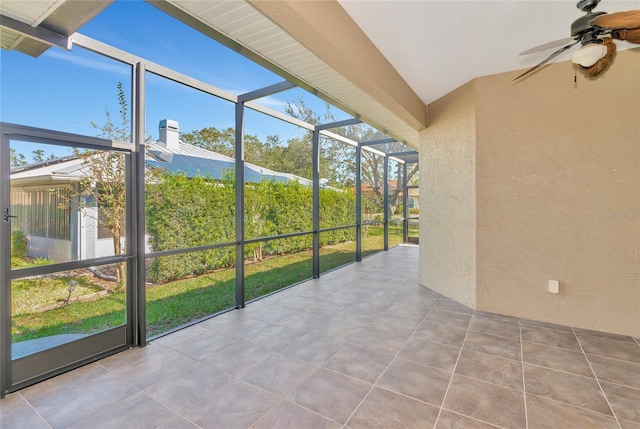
39 155
271 154
16 159
337 162
338 159
106 172
103 181
210 138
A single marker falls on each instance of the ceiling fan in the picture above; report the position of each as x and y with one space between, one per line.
595 32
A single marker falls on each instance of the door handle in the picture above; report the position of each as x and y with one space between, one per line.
7 215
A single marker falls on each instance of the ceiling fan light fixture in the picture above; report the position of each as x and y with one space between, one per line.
589 54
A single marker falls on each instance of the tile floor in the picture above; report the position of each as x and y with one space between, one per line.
362 347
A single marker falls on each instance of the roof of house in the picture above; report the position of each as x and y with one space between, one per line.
187 159
193 161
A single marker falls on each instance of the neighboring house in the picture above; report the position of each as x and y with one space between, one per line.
38 191
413 195
178 157
413 198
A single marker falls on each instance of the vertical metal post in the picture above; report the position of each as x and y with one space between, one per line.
386 202
358 203
405 208
316 202
139 298
5 268
239 204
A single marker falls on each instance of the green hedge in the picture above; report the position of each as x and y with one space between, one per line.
188 212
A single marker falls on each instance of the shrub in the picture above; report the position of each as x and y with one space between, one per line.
187 212
19 242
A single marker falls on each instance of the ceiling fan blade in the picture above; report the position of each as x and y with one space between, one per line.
546 60
617 20
631 36
546 46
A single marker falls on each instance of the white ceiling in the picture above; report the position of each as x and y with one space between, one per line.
436 46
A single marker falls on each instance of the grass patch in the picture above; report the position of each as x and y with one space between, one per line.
29 262
36 295
76 318
176 303
168 305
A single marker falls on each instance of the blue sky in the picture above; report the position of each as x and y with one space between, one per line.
66 91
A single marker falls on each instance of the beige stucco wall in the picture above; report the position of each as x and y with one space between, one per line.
447 197
557 196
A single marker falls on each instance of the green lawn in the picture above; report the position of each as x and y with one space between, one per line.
171 304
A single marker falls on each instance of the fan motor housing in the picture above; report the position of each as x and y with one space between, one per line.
583 24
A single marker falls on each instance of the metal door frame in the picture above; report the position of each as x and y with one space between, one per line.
30 369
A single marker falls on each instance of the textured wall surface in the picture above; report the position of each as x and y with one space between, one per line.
447 197
558 196
535 181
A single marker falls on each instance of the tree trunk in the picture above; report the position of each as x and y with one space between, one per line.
117 250
257 253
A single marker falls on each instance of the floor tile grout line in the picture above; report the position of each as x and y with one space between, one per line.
238 379
474 418
423 364
492 355
621 385
159 400
343 374
406 396
550 345
489 383
486 333
34 409
612 358
524 381
597 380
604 337
283 399
559 370
496 316
141 390
545 398
531 325
375 383
453 372
178 413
